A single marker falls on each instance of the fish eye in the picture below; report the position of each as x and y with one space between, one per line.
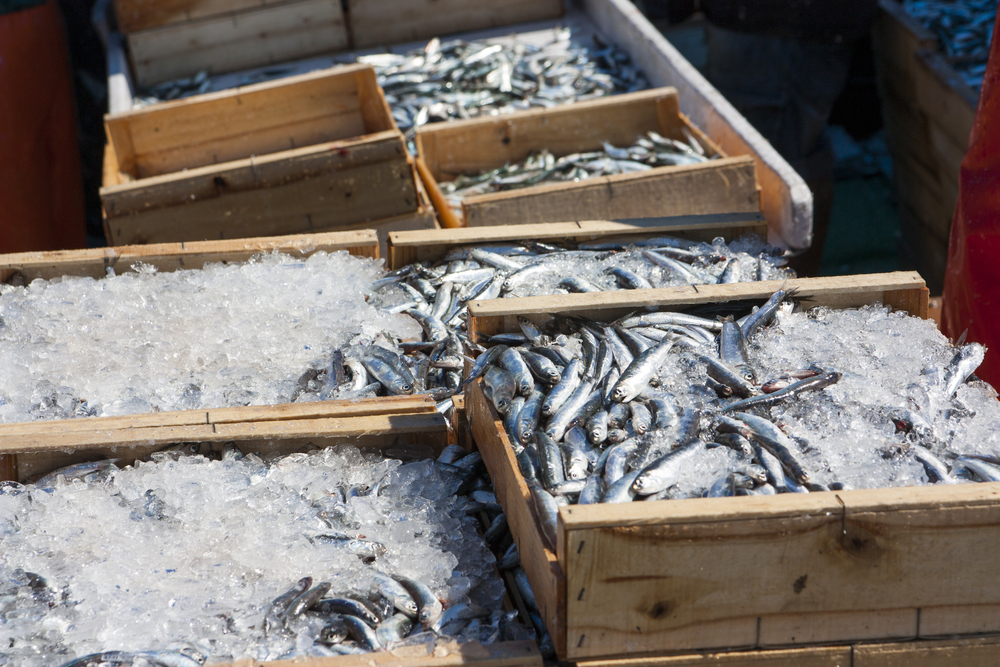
406 387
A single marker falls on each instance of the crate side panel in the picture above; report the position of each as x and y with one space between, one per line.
719 186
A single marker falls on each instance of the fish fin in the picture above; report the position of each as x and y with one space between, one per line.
961 339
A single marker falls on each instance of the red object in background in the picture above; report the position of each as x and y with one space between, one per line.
41 187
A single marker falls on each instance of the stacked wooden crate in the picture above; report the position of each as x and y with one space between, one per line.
928 111
315 152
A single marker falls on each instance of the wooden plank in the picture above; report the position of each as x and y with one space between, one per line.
254 120
832 627
539 562
785 199
967 619
826 656
490 317
39 454
857 551
251 173
249 38
134 15
384 22
408 247
335 199
982 652
95 262
898 36
10 432
443 654
719 186
920 248
922 192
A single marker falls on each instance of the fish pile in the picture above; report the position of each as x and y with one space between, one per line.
542 167
964 29
459 79
463 79
732 401
330 552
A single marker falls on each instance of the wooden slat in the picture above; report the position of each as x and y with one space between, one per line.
945 97
720 186
538 561
384 22
95 262
445 654
827 656
973 651
244 39
861 551
241 122
984 652
39 454
408 247
136 15
490 317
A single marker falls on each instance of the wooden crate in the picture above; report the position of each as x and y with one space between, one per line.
385 22
409 423
408 247
786 570
978 652
145 430
308 153
178 38
470 146
928 112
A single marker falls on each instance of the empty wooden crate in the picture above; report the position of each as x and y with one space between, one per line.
310 153
447 150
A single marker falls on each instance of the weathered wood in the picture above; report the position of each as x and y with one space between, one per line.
490 317
720 186
95 262
384 22
982 652
253 120
242 39
136 15
42 453
408 247
975 652
445 654
538 561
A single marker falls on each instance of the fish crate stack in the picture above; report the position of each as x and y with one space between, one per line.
311 153
476 146
612 29
928 109
850 576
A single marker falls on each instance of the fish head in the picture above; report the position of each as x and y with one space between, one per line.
554 376
334 633
409 607
619 394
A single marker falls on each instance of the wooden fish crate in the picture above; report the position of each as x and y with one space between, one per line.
309 153
179 38
928 112
447 150
385 22
147 429
408 247
751 573
406 426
